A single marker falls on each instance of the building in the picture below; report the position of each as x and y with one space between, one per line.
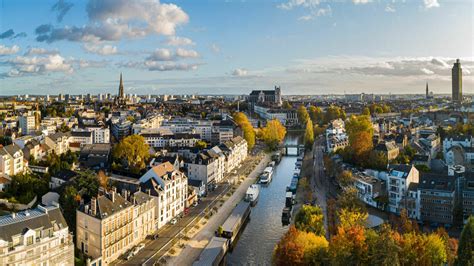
121 128
152 121
457 82
399 178
437 198
121 95
27 124
80 138
272 97
287 117
235 151
112 223
389 148
61 178
169 188
369 189
457 140
467 195
38 236
208 166
158 140
11 160
95 156
58 142
336 137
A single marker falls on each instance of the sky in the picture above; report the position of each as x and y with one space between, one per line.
233 47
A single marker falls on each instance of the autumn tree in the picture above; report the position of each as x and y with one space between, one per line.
286 105
247 129
334 112
300 248
360 131
200 144
133 151
365 111
466 244
382 247
345 178
309 135
273 133
310 219
348 246
350 218
303 115
103 179
315 114
349 200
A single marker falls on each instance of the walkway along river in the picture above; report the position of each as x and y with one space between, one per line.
263 231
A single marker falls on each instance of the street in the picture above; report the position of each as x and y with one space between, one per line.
319 182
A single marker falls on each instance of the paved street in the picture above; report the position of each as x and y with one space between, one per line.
319 182
155 249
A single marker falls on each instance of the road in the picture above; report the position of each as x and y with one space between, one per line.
319 182
170 234
194 247
156 248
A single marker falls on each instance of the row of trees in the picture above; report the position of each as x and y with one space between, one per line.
352 243
272 134
247 128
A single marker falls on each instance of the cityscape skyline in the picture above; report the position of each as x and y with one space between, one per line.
322 47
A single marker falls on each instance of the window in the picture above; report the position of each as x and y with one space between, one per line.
29 240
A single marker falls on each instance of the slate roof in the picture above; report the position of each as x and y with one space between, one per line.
434 181
107 207
266 92
30 219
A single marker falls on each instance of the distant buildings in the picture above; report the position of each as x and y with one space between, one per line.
272 97
457 82
36 237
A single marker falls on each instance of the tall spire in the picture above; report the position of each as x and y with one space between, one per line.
121 96
427 91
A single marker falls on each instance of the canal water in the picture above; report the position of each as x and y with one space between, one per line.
256 243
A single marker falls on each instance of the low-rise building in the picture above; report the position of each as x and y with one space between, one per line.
389 149
38 236
11 160
369 189
437 192
59 142
399 178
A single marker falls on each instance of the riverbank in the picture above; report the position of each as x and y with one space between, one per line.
200 238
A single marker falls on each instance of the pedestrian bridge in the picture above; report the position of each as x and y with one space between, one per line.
285 147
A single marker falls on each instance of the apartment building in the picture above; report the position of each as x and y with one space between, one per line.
38 236
80 137
369 188
336 137
58 142
437 197
11 160
158 140
458 140
235 152
169 188
27 124
112 223
399 178
152 121
121 128
467 195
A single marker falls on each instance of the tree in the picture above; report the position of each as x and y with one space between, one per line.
300 248
103 179
350 218
349 200
365 111
273 133
348 246
360 131
200 144
286 105
134 151
334 112
466 244
345 178
309 135
315 114
69 201
247 128
383 249
88 183
435 249
377 160
310 219
422 168
303 115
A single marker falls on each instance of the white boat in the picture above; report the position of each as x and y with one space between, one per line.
252 194
271 164
266 177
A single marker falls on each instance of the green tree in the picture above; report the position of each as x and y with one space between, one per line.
286 105
69 201
422 168
334 112
466 244
310 219
134 151
365 111
309 135
303 115
88 183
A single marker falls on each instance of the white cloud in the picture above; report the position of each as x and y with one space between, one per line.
183 53
390 9
23 65
240 72
362 2
5 50
298 3
427 71
39 51
113 20
170 66
179 41
163 54
100 49
430 3
215 48
317 13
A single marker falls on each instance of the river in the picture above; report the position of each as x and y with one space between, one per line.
264 229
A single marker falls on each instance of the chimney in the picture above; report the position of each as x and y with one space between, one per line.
149 192
13 215
112 196
93 206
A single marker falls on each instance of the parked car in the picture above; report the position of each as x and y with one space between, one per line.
173 221
130 254
195 204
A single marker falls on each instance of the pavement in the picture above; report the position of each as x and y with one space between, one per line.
196 244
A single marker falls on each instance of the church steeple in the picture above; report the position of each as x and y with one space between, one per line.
121 96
